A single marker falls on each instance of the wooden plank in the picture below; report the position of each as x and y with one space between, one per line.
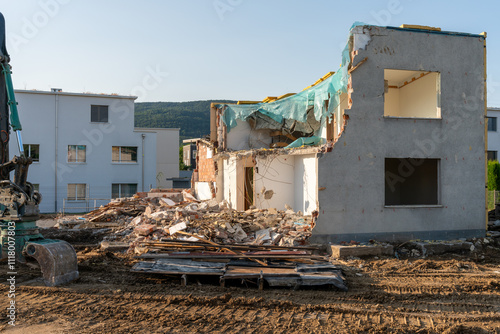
234 246
180 267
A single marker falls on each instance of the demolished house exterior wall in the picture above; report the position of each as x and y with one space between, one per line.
352 203
204 185
404 124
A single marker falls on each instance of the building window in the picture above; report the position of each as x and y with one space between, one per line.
77 191
492 124
32 151
492 155
412 94
119 190
411 181
76 153
99 114
124 154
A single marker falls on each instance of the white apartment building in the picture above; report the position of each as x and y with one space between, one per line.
86 150
493 134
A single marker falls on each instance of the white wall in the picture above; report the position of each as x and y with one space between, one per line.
203 191
419 99
293 179
230 181
167 147
275 173
38 117
306 183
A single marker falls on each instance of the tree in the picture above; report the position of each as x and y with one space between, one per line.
493 175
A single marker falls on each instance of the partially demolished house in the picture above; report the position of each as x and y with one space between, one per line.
389 147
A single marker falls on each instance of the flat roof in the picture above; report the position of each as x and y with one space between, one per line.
113 96
428 31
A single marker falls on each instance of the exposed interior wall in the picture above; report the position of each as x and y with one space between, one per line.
230 184
306 183
243 137
417 94
203 190
234 180
205 162
275 175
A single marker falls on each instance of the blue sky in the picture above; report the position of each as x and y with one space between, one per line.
187 50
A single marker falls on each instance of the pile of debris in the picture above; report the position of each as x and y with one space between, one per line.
137 219
179 235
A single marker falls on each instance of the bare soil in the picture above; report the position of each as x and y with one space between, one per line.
442 294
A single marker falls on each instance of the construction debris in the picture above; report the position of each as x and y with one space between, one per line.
259 265
183 236
141 219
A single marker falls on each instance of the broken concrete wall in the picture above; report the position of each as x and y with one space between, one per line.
205 162
352 205
204 184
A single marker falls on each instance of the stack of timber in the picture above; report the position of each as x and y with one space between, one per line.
262 265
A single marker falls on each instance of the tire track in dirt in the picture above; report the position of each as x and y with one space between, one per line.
221 313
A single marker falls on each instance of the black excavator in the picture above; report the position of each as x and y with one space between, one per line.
19 236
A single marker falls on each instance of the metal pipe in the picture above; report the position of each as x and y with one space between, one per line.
142 182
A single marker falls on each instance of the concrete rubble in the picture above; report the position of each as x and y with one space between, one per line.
140 219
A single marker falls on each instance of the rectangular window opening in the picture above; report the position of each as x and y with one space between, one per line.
119 190
411 181
77 191
99 114
492 124
492 155
413 94
77 153
124 154
32 151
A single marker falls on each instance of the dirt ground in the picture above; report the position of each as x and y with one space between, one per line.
451 293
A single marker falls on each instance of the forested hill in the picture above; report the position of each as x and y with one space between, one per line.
193 118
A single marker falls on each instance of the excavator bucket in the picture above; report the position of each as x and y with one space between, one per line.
56 258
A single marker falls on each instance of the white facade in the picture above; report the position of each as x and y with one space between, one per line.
493 133
82 158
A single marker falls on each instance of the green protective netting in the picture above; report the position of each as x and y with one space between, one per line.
306 141
295 106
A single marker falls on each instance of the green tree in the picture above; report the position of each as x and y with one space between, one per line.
493 175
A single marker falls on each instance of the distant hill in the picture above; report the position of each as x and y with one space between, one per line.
193 118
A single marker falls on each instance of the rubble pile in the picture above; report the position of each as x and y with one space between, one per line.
137 220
